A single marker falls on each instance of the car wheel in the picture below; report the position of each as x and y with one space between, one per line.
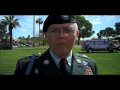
90 50
114 50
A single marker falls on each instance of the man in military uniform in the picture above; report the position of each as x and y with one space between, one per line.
61 32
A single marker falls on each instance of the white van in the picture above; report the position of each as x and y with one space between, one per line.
99 45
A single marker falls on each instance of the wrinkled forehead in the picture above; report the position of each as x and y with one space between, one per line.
64 25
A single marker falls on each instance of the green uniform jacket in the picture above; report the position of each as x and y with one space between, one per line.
44 65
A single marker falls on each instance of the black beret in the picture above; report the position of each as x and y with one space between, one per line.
58 19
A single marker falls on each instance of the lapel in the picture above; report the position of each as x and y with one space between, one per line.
46 65
78 68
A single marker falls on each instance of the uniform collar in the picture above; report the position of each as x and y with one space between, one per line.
57 60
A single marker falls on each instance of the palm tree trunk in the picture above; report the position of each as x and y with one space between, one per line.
11 41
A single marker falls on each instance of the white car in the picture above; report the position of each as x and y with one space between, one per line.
99 45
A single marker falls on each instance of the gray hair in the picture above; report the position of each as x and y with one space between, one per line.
75 26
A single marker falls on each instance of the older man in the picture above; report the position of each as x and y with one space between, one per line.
61 32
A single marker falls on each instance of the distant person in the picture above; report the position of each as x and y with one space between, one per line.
61 32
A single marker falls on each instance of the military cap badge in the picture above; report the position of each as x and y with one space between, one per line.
64 17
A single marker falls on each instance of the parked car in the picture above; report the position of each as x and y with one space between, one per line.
16 45
22 45
29 45
99 45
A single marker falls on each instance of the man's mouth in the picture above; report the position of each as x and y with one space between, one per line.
60 44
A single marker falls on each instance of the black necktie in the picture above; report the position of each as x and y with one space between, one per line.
63 61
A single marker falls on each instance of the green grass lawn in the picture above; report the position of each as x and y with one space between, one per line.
108 63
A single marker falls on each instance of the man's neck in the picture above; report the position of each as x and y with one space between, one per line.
62 55
56 58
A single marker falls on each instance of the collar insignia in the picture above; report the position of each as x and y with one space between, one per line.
78 60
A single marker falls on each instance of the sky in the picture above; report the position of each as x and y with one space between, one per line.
99 22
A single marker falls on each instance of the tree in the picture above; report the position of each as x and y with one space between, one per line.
12 23
117 28
107 32
102 33
39 21
99 35
85 27
3 35
22 40
28 39
2 31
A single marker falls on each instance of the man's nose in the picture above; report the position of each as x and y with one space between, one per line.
61 33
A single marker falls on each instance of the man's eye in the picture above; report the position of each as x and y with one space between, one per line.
69 31
53 30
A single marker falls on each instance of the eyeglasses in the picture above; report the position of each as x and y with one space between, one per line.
58 31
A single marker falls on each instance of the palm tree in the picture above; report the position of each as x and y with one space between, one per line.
39 21
2 29
2 33
12 23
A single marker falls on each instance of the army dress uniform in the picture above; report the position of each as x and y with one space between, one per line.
45 65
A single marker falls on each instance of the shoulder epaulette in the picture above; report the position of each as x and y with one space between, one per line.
32 60
30 56
83 56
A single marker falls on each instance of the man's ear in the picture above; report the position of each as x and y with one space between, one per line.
45 35
78 35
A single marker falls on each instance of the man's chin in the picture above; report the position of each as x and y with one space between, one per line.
62 50
61 46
